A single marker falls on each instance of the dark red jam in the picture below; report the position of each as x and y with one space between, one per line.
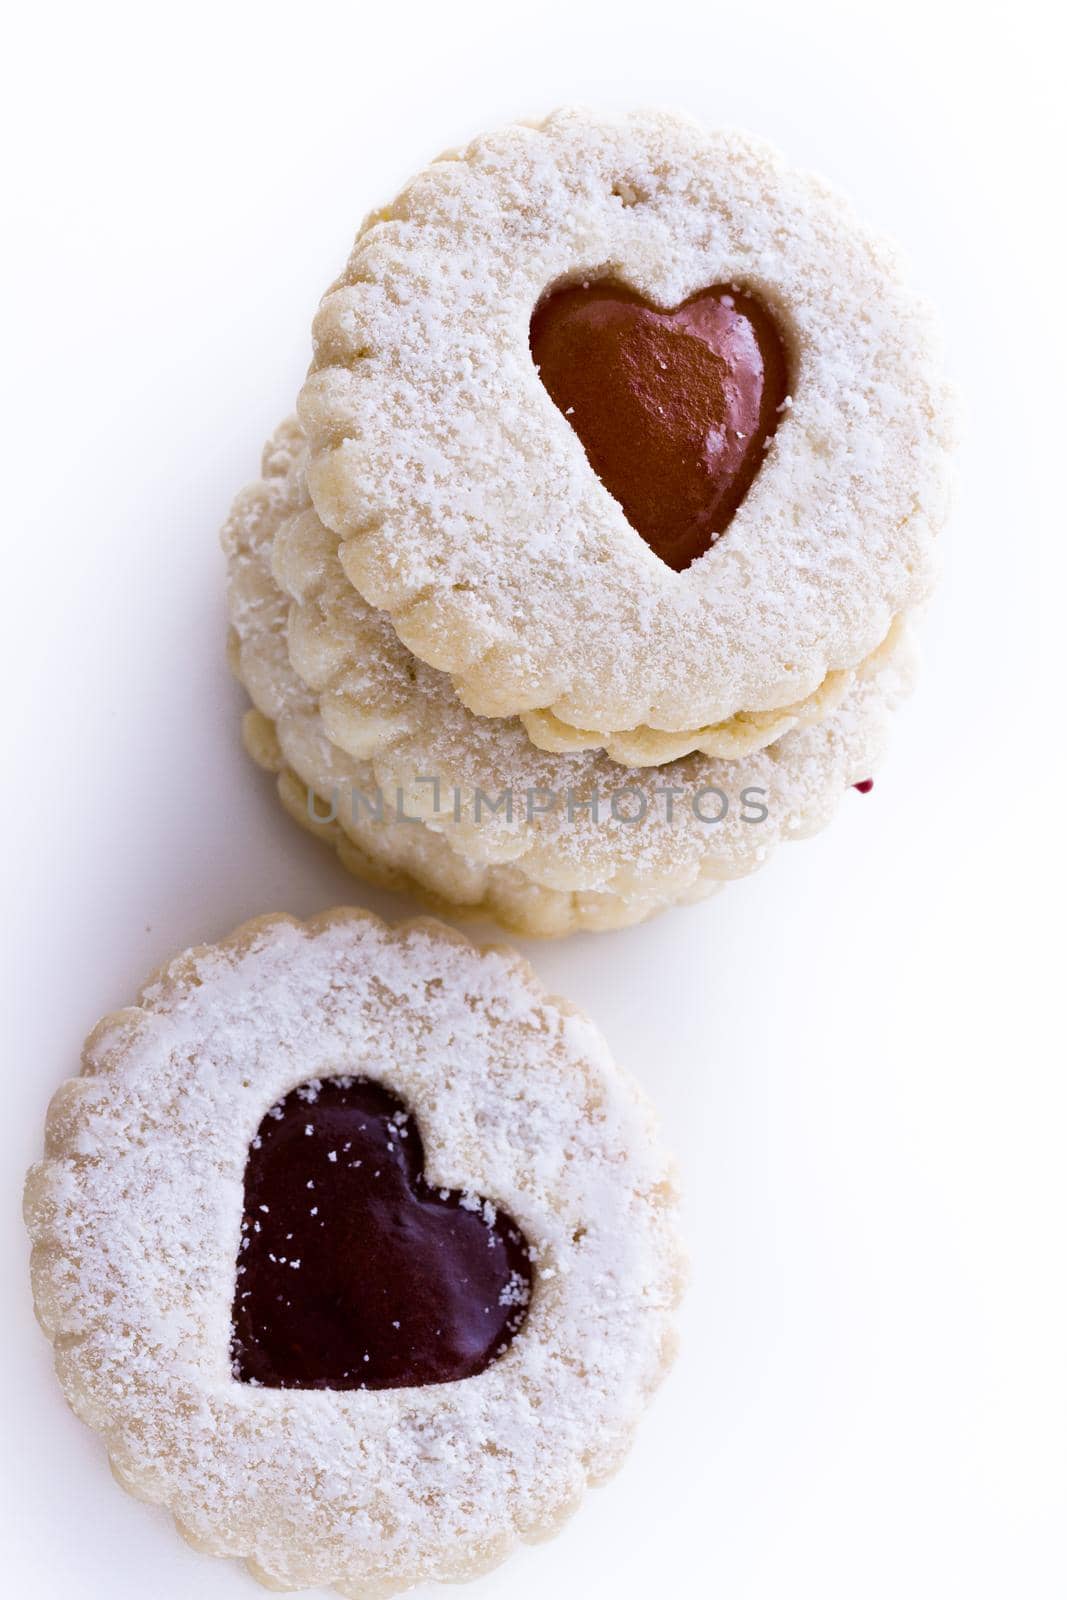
674 408
352 1272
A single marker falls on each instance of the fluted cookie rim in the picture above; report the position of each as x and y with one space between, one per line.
737 736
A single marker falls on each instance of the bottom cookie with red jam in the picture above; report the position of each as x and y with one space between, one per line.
357 1250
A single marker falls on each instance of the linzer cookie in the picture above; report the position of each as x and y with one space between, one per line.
376 753
633 431
357 1250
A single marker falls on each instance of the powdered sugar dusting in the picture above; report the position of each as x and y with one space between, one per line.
464 502
136 1221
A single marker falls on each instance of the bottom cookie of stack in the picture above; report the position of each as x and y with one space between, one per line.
409 858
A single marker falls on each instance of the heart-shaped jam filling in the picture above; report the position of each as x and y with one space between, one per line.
674 408
353 1273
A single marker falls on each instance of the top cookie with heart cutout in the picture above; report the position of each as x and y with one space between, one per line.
725 481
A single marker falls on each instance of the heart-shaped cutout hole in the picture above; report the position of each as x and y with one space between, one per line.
675 408
352 1272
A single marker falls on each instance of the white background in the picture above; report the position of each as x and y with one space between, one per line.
857 1054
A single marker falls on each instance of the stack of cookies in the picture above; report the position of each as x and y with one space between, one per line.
585 577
